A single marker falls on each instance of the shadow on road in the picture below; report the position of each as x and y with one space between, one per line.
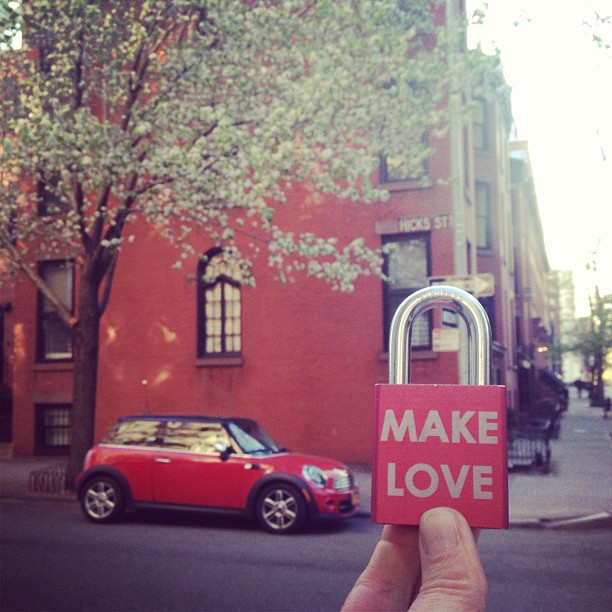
218 520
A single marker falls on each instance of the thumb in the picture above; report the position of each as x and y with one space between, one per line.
452 575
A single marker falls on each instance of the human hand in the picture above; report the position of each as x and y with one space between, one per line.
433 567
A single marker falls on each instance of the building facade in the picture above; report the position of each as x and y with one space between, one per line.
495 233
298 357
536 311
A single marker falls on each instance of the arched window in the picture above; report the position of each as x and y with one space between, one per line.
219 307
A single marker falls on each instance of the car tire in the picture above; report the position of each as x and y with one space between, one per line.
102 500
281 509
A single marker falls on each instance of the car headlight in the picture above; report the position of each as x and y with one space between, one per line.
315 475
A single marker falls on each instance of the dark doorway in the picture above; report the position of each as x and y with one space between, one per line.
6 396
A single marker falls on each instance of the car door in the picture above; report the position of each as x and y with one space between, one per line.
189 468
130 450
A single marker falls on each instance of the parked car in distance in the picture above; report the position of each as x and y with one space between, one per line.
211 463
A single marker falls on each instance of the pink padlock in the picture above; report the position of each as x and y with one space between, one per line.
440 445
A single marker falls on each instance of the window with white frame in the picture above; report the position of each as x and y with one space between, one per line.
219 306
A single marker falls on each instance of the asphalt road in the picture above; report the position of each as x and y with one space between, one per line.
52 559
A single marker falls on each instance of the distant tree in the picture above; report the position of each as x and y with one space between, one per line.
593 342
201 114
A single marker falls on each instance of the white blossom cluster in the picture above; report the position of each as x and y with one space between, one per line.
201 114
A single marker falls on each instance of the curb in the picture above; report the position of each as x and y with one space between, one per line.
598 519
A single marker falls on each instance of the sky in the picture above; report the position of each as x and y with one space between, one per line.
562 105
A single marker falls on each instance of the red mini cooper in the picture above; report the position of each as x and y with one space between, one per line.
211 463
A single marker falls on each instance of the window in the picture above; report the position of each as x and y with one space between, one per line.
479 125
135 433
402 170
53 427
49 202
483 215
407 266
54 336
197 437
219 306
252 438
411 169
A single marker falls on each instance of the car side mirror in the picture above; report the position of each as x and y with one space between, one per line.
226 453
224 450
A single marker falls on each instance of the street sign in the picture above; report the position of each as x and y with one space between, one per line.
479 285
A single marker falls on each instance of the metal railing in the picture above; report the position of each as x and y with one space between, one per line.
529 447
49 480
529 438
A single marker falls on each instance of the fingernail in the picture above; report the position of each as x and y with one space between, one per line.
438 531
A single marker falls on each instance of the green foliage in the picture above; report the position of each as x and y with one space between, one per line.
10 20
592 340
202 113
595 332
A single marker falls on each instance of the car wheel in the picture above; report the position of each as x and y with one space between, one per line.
281 509
102 500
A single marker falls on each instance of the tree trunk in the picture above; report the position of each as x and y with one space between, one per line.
86 345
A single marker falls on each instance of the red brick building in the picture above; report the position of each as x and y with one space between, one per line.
298 357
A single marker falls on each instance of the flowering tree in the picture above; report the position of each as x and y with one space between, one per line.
200 114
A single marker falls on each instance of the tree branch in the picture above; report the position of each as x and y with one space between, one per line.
78 80
108 284
19 262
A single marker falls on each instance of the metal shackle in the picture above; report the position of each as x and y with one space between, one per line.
459 301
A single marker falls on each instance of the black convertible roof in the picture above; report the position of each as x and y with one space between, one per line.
186 417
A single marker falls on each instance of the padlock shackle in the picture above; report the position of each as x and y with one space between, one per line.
462 303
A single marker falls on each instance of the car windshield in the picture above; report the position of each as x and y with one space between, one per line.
252 438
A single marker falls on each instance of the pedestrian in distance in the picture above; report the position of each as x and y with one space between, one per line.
431 567
582 385
606 407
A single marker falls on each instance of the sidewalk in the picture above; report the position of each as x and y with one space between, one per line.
579 485
577 490
17 476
